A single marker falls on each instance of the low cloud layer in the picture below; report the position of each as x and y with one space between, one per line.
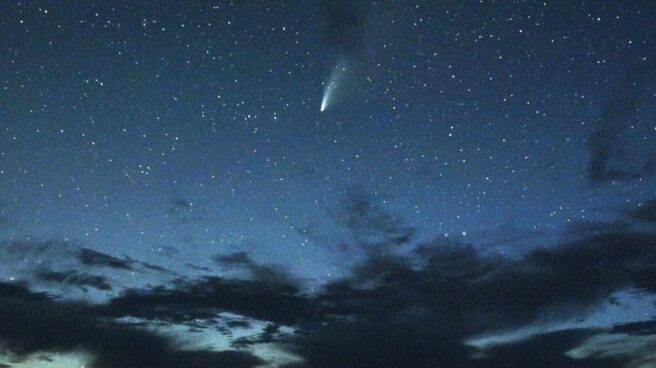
406 304
31 324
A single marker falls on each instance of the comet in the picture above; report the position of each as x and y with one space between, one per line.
334 81
327 93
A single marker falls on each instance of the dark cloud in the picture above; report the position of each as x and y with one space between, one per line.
197 268
416 317
15 249
637 328
384 344
166 250
181 211
545 351
73 278
590 228
238 323
19 291
646 212
370 226
343 27
57 263
267 274
204 298
505 235
364 225
611 154
236 258
415 308
270 333
418 309
570 278
89 257
628 345
33 325
181 204
378 341
153 267
54 252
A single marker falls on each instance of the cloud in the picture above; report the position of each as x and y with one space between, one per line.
416 317
343 28
269 333
73 278
371 227
31 324
266 274
53 253
89 257
405 304
646 212
20 291
612 155
197 268
236 258
67 269
182 211
419 309
635 343
94 258
204 298
392 311
544 351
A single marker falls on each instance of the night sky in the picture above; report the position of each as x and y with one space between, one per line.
333 183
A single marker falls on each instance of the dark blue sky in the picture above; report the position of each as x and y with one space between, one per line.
171 132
